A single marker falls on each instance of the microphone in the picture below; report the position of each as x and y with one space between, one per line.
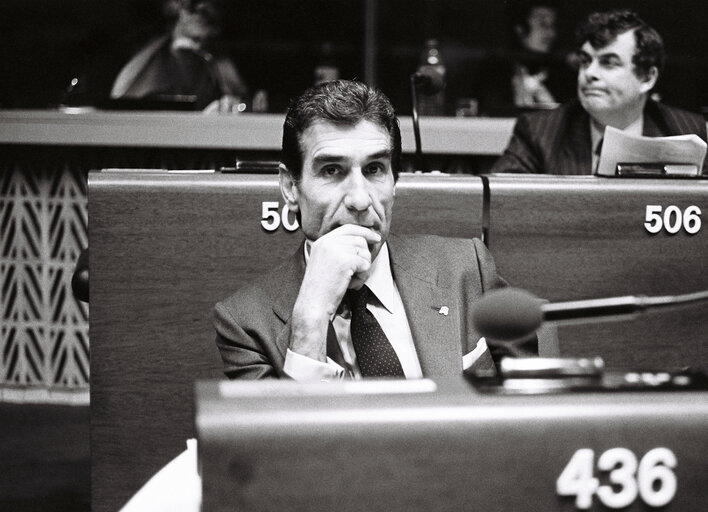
510 314
428 80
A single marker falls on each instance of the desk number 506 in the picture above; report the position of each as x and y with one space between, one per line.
672 219
652 479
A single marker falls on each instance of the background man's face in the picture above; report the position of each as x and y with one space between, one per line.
607 80
198 23
346 179
542 30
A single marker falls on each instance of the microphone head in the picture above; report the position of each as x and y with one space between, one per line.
429 80
507 314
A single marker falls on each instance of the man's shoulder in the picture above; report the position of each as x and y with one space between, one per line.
268 287
433 250
670 109
431 243
541 119
678 120
445 261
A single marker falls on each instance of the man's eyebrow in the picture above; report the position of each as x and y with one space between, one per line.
599 54
385 153
608 55
326 158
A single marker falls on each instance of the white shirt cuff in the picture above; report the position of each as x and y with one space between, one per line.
469 359
303 368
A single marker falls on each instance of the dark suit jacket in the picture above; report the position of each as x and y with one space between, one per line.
558 141
253 325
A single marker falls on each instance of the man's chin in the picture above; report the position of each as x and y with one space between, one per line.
594 103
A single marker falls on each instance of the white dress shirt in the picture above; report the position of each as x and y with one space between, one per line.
387 308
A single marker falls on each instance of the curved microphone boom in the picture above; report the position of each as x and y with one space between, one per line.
512 314
428 81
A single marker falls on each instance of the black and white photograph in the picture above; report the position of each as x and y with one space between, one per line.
353 255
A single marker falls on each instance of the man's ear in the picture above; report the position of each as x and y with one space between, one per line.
288 188
649 80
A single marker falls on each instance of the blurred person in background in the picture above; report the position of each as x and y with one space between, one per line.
530 75
620 59
179 64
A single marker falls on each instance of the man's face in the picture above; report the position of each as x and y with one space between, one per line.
198 23
607 81
346 179
541 30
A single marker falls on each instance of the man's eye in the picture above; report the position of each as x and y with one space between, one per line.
610 63
331 170
375 168
580 59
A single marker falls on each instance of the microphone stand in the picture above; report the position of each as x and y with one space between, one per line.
419 159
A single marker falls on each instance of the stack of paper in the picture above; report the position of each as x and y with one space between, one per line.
684 154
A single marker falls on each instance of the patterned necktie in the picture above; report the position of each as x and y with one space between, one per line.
374 352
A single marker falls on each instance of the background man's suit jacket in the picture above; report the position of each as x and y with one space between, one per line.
253 325
558 141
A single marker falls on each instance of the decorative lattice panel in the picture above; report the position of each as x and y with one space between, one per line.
44 329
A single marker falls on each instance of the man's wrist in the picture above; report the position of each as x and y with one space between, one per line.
308 334
301 368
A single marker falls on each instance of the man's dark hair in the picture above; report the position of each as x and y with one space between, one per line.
601 28
340 102
520 12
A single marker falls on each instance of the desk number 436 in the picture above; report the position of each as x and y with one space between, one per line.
652 479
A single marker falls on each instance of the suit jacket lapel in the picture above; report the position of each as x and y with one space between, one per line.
654 123
285 282
282 289
436 335
575 151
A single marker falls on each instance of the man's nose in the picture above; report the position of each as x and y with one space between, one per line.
590 72
357 195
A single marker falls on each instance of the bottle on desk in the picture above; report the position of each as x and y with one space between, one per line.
326 68
431 62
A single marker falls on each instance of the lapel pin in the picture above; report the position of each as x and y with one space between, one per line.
444 310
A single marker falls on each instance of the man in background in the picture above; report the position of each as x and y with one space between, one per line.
620 59
180 65
529 74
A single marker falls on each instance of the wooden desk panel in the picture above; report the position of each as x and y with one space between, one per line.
164 249
566 238
88 127
435 446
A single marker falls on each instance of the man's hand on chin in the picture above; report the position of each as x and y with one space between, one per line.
339 260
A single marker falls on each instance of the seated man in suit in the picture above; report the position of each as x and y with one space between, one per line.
620 60
354 300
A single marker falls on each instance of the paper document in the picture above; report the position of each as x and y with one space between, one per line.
619 147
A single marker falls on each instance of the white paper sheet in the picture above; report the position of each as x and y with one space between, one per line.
619 147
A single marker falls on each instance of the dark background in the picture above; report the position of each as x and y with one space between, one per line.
276 43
